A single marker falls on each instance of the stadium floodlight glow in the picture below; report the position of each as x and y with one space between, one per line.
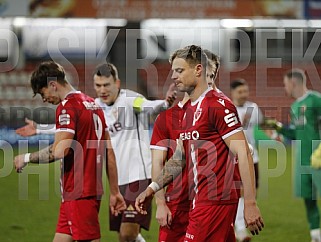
19 21
236 23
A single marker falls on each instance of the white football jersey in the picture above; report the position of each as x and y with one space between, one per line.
128 122
250 115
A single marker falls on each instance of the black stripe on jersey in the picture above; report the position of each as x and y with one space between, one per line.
140 147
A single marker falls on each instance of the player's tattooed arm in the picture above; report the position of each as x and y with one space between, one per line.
173 167
43 156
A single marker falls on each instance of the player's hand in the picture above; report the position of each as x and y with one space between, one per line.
163 215
29 129
19 163
171 95
270 123
252 216
316 158
143 199
117 204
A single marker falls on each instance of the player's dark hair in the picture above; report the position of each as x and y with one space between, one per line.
192 54
297 74
45 72
238 82
107 70
213 61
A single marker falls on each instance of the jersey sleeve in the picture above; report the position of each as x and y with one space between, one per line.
142 105
159 140
225 119
66 116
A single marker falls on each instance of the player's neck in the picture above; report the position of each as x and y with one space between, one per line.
198 90
185 99
300 93
238 104
65 91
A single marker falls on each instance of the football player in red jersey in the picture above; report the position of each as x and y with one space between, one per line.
80 142
212 131
173 206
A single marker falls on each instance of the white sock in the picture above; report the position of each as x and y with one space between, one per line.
315 234
140 238
239 221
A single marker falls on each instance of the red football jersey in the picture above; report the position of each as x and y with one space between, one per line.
213 174
167 128
81 170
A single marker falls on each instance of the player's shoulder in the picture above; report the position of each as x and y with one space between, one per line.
126 93
77 100
251 104
316 98
169 112
218 99
315 94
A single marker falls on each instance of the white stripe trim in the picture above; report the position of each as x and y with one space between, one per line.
232 132
65 130
156 147
195 172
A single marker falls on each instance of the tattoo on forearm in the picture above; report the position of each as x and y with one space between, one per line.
43 156
171 169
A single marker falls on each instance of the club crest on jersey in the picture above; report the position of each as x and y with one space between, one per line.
197 115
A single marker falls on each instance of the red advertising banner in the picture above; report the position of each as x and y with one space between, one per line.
144 9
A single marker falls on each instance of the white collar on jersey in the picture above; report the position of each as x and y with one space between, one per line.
304 96
201 96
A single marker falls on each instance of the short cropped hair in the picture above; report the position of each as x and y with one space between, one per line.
45 72
296 74
192 54
213 61
107 70
238 82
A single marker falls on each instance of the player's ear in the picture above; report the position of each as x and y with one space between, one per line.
53 85
198 70
117 83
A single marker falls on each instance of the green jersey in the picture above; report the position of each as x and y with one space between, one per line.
305 125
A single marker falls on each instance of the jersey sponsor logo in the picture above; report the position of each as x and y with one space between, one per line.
194 135
221 101
230 119
64 119
116 127
189 236
90 105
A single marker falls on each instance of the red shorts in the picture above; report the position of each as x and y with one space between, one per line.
79 219
211 223
177 230
130 215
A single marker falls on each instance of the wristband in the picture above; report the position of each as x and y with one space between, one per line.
27 158
154 186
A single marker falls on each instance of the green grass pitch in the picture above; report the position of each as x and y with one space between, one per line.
30 203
